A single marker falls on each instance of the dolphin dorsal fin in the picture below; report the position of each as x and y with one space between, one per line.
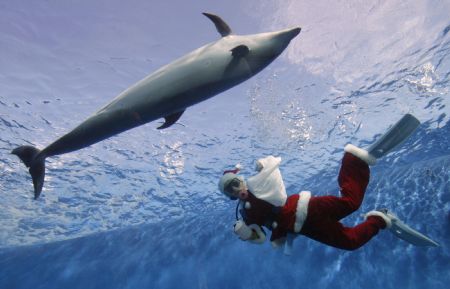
221 26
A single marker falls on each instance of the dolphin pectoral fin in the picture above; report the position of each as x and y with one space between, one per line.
171 119
221 26
32 159
240 51
238 63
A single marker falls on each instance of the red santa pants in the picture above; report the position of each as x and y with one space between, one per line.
322 222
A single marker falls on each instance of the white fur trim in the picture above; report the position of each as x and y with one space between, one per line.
361 154
385 218
302 210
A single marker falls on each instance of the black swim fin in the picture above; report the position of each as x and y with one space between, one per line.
30 157
397 134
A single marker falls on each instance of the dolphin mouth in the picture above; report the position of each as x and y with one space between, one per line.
287 34
294 32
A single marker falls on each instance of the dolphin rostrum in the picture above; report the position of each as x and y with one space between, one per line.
167 92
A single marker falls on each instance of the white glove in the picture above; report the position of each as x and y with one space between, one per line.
260 235
242 230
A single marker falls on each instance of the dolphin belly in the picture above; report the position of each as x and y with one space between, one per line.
96 128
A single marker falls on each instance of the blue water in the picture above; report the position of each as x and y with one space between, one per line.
142 210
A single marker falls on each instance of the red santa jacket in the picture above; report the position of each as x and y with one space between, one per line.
281 220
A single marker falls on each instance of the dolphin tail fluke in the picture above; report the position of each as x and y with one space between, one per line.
30 157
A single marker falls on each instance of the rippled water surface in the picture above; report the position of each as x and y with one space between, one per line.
142 210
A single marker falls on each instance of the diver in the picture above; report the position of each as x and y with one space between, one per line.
263 201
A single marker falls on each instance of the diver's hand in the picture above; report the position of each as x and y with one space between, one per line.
252 233
242 230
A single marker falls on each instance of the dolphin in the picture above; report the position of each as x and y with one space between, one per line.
167 92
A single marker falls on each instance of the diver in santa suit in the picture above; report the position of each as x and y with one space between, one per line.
263 201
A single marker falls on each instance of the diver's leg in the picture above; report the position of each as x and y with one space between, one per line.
335 234
353 179
354 174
